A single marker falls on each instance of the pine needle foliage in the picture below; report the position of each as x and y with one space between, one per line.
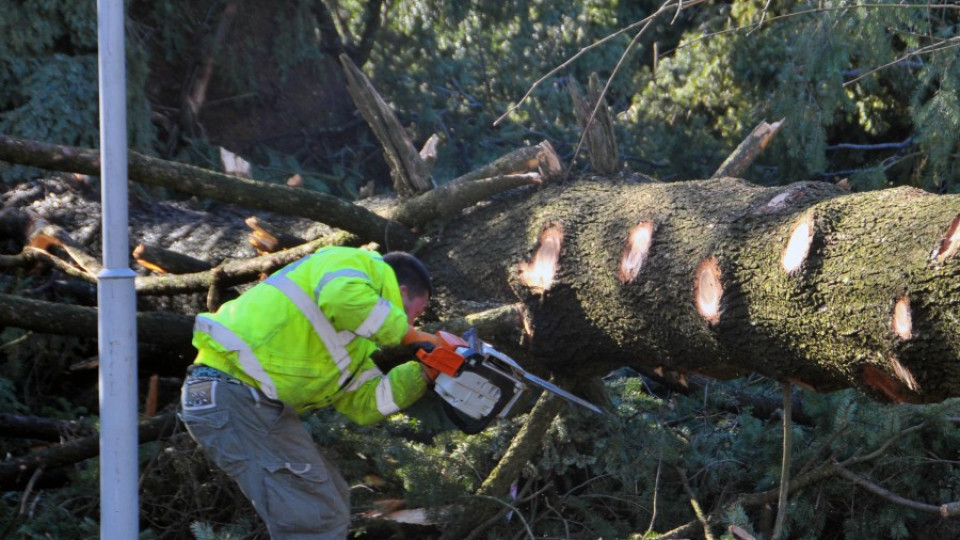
48 78
867 89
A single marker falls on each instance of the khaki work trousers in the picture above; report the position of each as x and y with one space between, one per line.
261 444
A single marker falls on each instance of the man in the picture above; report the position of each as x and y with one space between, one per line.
302 340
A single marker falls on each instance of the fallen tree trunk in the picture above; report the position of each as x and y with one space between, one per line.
721 277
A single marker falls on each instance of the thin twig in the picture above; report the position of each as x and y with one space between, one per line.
26 492
886 494
586 49
510 507
936 47
880 451
656 491
17 341
784 463
697 510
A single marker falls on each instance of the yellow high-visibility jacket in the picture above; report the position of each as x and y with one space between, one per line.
306 333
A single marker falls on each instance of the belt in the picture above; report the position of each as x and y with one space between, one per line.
202 372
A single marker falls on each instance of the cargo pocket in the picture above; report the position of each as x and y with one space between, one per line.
219 441
301 499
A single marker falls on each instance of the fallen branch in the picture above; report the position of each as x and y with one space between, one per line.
39 428
16 472
171 329
313 205
526 166
953 509
47 236
166 261
226 275
266 238
449 199
817 474
541 158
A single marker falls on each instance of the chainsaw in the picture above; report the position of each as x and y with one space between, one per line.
478 383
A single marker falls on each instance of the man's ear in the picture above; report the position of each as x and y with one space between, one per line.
403 292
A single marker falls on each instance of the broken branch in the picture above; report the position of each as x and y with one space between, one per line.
748 151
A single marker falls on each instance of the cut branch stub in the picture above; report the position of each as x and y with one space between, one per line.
880 381
165 261
266 238
798 247
548 162
950 242
902 319
707 290
636 250
539 272
903 374
748 151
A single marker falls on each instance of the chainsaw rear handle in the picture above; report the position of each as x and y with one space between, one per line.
442 359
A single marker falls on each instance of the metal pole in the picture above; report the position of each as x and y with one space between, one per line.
119 502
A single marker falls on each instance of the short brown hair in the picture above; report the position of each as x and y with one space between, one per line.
410 271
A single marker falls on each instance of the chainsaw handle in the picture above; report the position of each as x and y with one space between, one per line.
442 359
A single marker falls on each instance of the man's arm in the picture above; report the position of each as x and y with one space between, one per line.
352 303
375 395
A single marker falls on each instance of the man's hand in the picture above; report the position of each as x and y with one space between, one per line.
421 340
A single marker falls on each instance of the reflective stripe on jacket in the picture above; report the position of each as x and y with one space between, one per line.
305 336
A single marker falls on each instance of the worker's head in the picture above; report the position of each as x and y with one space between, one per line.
414 280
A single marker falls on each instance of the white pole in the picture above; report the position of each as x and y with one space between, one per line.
117 328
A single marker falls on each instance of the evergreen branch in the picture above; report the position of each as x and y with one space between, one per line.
883 448
822 472
929 49
510 466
